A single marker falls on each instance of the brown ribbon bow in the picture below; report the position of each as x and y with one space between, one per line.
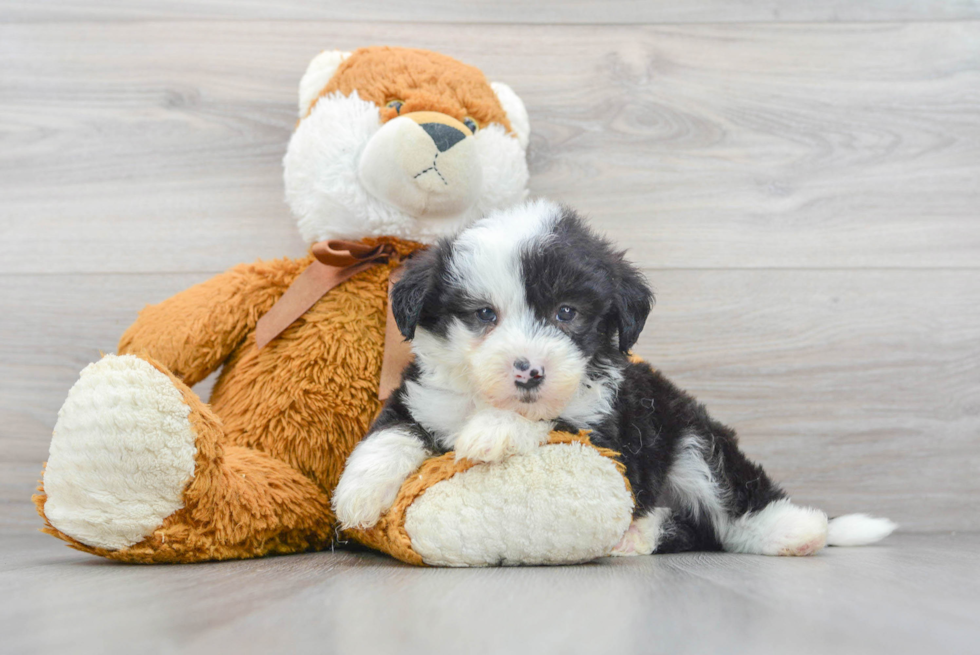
335 262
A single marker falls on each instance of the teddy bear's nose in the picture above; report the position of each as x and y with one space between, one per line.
444 136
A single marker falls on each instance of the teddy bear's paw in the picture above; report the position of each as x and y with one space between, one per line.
643 535
122 453
492 435
561 503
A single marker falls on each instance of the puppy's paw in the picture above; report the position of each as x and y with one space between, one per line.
644 534
781 528
631 544
360 500
492 435
374 475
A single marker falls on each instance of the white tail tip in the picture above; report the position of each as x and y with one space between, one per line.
858 530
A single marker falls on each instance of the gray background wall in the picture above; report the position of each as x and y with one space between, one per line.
801 182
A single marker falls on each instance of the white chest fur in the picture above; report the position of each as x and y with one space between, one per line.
443 412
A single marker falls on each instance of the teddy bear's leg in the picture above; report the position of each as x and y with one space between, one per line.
137 471
122 452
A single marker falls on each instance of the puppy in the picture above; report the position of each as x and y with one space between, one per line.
521 324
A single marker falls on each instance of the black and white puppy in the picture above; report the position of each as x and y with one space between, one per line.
521 324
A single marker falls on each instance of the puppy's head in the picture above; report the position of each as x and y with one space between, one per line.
519 308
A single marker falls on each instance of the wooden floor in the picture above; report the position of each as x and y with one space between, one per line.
913 594
800 180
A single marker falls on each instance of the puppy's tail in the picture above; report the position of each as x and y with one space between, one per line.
858 530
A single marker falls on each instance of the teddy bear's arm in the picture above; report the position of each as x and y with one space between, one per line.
193 332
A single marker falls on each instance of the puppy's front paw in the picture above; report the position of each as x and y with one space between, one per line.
493 435
359 501
374 475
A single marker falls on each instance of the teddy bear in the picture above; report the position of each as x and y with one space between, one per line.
394 148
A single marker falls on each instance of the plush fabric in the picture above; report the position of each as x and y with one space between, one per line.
324 186
421 80
124 497
281 422
569 502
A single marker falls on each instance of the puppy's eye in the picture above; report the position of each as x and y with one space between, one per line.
487 315
396 105
566 313
471 124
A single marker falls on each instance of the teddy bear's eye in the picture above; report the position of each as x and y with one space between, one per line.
396 105
472 124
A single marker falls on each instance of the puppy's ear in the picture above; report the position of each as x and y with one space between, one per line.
408 294
632 304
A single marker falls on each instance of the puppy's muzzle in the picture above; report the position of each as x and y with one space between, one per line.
527 376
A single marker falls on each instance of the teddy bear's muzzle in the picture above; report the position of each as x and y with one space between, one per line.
425 163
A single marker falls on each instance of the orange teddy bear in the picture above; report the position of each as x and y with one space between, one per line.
394 148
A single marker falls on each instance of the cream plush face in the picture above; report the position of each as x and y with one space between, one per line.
403 143
425 163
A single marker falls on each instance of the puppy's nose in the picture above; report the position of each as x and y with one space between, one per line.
444 136
526 374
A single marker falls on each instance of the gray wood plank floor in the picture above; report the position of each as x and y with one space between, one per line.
800 180
912 594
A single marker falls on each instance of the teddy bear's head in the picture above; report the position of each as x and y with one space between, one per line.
401 142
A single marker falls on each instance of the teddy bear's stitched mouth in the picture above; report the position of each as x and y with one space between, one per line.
431 168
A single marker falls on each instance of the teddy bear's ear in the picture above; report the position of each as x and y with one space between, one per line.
316 77
516 113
